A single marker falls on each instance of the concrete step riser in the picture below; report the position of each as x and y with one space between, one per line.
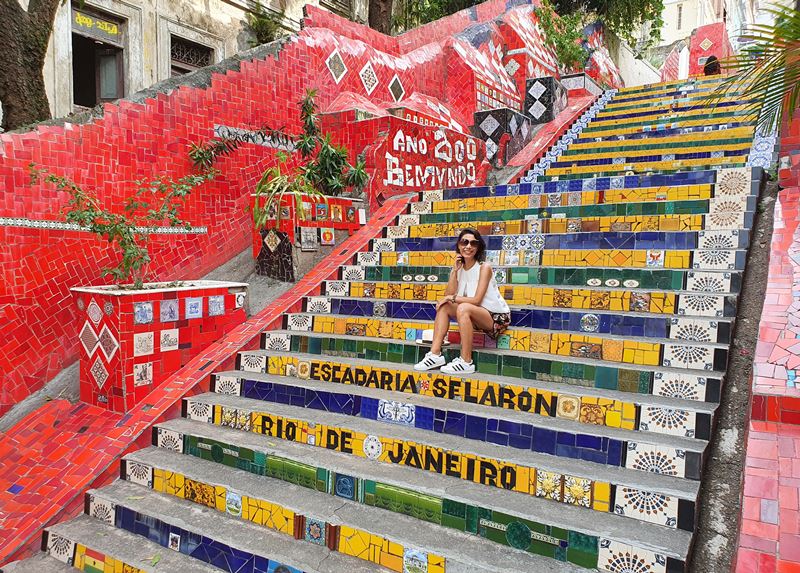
210 531
608 409
575 375
729 181
433 205
89 544
635 452
227 500
621 259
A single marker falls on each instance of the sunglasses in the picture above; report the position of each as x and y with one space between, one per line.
471 242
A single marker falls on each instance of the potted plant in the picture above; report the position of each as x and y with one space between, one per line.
321 170
133 333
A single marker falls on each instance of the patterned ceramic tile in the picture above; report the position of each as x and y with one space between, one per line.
253 362
353 273
647 506
138 472
656 459
672 421
616 557
170 440
61 548
102 509
300 322
318 305
230 385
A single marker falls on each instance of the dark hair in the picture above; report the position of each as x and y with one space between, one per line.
712 66
480 255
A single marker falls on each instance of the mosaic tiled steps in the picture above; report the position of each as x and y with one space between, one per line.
640 496
689 282
685 259
697 350
620 188
627 217
507 388
217 536
399 544
94 546
579 373
587 298
526 523
680 457
634 323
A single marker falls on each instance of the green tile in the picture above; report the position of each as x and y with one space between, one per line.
582 559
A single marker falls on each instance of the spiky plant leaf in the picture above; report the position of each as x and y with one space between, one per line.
767 70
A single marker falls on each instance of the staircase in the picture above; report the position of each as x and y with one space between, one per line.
578 444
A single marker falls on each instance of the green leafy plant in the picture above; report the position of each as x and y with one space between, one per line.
625 18
564 35
767 68
413 13
155 203
264 24
325 170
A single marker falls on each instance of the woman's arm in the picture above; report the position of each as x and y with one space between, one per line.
480 292
452 284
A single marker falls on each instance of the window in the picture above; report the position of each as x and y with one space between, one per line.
680 15
97 58
187 56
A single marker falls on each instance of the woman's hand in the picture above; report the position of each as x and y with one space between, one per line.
444 301
458 263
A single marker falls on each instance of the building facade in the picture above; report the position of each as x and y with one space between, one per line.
102 50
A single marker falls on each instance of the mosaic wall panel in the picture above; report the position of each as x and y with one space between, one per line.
545 98
129 348
375 69
505 132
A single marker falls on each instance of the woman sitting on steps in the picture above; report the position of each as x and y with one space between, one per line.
473 299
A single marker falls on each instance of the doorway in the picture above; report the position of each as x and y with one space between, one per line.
97 71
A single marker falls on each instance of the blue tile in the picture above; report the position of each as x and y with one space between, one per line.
475 428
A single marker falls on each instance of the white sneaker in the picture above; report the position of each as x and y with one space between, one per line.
459 366
430 362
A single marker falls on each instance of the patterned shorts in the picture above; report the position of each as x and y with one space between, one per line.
501 321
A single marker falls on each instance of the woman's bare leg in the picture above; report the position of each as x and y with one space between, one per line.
441 325
469 317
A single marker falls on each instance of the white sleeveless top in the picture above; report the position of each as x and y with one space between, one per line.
468 285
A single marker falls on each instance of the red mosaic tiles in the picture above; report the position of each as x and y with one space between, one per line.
83 443
706 41
769 539
549 133
131 341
